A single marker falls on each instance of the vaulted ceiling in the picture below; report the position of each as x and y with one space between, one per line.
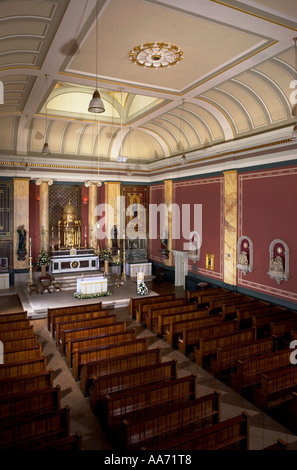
233 83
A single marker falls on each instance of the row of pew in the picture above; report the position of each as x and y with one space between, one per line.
31 417
141 401
241 340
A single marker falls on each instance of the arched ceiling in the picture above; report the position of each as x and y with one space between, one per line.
234 80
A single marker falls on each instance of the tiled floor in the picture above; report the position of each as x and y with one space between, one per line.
264 431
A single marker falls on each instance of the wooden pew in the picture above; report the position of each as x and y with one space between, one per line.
167 423
229 309
281 330
208 346
164 321
100 368
244 314
23 354
98 340
142 312
106 352
152 314
81 323
118 404
276 387
19 368
136 301
249 371
78 333
280 444
71 443
174 331
26 383
25 433
14 325
261 322
227 357
28 403
199 295
217 302
128 379
191 337
17 344
231 434
75 316
8 317
54 311
18 333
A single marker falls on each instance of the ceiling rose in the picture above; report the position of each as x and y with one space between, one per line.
156 54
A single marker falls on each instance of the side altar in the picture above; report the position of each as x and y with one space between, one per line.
73 260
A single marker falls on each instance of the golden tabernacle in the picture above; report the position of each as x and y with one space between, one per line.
69 228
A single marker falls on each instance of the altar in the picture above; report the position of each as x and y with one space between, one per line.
70 261
133 268
91 285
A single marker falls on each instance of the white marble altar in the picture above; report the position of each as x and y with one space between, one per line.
76 263
91 285
133 268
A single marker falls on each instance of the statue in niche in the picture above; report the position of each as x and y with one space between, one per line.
194 246
243 259
278 261
276 264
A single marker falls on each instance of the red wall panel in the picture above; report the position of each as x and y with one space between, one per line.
267 207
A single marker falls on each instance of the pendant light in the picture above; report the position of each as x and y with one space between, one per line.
46 149
96 104
183 157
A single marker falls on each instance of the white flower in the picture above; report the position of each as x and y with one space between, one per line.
142 288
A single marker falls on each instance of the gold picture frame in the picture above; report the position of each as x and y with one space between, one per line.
210 261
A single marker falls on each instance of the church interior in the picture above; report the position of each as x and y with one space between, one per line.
148 295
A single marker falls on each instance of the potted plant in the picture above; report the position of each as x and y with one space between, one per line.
43 262
105 256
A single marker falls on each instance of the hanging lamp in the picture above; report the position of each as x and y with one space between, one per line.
96 104
46 149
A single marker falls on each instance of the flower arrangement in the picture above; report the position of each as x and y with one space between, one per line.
79 295
142 288
105 255
43 259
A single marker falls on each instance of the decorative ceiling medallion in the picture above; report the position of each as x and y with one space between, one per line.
156 54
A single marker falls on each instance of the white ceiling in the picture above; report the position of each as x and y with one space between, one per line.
231 89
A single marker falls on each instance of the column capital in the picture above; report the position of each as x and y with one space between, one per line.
39 181
90 183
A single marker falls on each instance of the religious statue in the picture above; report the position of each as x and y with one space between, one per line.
194 246
276 264
21 252
243 259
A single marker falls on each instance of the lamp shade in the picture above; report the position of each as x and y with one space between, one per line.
96 104
46 149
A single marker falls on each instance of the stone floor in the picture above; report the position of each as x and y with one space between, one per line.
264 431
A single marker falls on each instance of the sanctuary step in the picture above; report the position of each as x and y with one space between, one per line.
69 280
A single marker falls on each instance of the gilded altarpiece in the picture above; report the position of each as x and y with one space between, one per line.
59 197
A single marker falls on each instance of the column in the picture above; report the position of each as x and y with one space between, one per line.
44 213
21 221
113 211
230 226
92 218
168 196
